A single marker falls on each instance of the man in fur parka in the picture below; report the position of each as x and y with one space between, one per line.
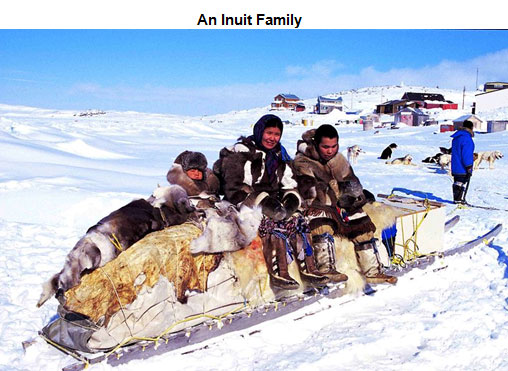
190 171
256 172
333 197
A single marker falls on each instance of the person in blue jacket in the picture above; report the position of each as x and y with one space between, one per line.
462 161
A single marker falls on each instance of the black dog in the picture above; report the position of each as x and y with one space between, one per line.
435 159
387 152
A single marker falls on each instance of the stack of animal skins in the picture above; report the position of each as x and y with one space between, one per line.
158 286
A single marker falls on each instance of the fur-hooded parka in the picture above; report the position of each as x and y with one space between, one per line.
325 184
320 182
244 178
203 193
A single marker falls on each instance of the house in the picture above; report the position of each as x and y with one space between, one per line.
326 105
429 100
496 125
300 107
287 101
411 116
491 100
478 124
393 106
493 86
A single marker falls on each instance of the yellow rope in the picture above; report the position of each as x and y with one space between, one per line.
115 242
191 318
411 254
63 349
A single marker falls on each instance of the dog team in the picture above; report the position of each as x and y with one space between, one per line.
299 207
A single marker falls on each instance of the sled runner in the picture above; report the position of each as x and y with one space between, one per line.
246 318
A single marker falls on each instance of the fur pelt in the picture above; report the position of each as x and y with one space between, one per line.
227 229
489 156
118 231
314 176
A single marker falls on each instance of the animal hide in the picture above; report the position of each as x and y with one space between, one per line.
227 229
164 253
117 232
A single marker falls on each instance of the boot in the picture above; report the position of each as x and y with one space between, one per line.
309 272
368 259
274 251
324 252
458 192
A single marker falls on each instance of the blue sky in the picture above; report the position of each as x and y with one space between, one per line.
200 72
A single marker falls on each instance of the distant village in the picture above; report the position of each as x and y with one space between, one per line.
410 109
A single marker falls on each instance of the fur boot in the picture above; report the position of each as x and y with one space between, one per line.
367 255
274 251
324 250
346 260
306 263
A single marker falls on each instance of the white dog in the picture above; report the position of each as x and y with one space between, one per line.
489 156
352 153
445 161
406 160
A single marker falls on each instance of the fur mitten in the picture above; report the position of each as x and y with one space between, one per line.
272 208
291 203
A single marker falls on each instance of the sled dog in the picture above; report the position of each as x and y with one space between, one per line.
435 159
387 152
445 161
352 154
406 160
117 232
489 156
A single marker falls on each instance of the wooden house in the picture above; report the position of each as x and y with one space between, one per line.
326 105
478 124
493 86
429 100
392 106
411 116
496 125
287 101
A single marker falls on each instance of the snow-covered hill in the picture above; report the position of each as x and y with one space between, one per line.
60 173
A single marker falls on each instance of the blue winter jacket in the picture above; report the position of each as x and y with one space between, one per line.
462 151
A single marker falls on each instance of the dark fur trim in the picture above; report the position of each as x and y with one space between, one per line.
192 160
209 184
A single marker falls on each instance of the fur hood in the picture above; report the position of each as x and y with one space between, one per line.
192 160
319 181
209 184
306 145
244 177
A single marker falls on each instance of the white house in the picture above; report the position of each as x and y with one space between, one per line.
478 123
491 100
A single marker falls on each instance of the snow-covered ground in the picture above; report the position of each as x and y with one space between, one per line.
60 173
